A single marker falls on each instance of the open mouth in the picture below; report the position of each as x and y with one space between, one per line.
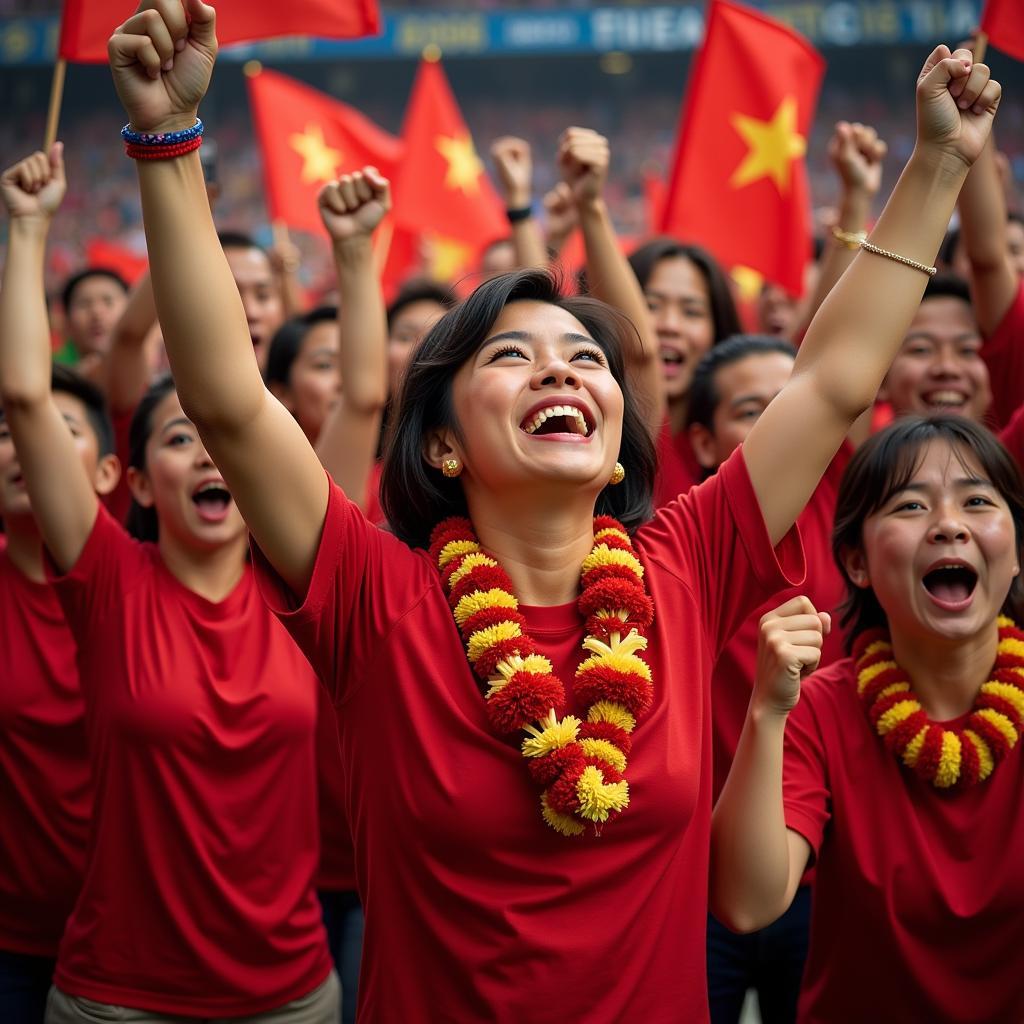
946 400
557 419
951 586
213 501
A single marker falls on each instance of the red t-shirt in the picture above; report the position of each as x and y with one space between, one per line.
198 896
373 510
1012 436
919 894
733 681
1003 353
119 501
475 909
678 468
45 789
337 871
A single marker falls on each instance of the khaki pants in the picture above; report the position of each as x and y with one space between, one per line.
321 1006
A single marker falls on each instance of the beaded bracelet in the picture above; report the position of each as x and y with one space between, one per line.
905 260
134 138
162 152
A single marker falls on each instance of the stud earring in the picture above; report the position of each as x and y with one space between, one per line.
451 468
618 474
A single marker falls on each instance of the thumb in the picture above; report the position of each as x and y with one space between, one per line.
202 23
826 623
57 160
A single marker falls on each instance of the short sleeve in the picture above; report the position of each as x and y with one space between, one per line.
715 539
364 580
805 791
105 570
1003 353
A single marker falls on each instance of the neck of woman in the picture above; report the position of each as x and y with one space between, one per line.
211 573
947 676
540 544
25 549
677 410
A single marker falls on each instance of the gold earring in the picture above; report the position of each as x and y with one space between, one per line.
451 467
618 474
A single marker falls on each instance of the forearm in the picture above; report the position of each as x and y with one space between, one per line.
291 293
25 356
750 858
529 244
611 279
200 311
126 366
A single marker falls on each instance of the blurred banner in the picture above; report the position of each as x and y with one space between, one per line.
664 28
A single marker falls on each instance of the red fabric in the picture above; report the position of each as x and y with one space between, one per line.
1003 21
198 897
678 468
86 25
749 66
918 894
290 117
1012 436
430 193
733 681
374 513
1003 353
45 791
119 501
100 252
475 909
337 872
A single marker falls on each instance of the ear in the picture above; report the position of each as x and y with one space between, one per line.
856 565
283 394
703 443
139 485
441 445
108 473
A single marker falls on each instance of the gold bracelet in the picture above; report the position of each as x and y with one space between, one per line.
849 239
906 261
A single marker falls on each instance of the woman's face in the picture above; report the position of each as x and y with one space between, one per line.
314 384
183 485
680 315
407 330
942 553
537 402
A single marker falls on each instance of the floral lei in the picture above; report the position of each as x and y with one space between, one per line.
580 765
948 758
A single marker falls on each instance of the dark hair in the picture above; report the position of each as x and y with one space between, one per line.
947 251
67 293
287 342
884 465
704 396
420 290
143 523
416 497
64 379
725 319
239 240
946 285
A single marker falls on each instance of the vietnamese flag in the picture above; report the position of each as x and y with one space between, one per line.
86 25
738 184
308 139
442 188
1003 22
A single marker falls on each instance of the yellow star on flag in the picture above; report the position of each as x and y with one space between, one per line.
320 163
773 146
448 258
464 166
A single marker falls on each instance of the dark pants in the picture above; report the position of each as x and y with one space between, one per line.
770 961
343 919
24 983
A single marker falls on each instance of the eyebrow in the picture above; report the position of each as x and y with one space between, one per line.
962 482
910 335
743 399
178 421
685 297
526 336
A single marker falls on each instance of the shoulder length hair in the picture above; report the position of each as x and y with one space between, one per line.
414 495
885 464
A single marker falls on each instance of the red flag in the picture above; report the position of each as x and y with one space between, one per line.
738 184
99 252
86 25
307 139
1003 22
442 188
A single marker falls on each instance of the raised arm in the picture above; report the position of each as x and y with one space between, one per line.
560 218
351 209
63 500
756 862
514 164
583 157
127 365
272 471
860 325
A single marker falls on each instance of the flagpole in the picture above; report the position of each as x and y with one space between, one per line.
56 98
980 46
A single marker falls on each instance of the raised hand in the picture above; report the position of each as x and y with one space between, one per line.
857 153
788 648
560 214
34 187
583 157
355 204
162 59
514 164
956 102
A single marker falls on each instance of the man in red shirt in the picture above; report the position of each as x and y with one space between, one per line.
45 788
